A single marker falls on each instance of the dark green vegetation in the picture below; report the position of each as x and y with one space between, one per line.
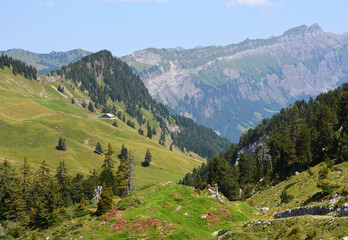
18 67
299 137
45 63
108 80
34 199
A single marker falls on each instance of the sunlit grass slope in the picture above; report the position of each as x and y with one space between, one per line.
34 115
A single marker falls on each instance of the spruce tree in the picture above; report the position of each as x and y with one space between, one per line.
105 202
108 161
63 180
149 132
73 101
90 107
61 144
114 124
124 153
98 148
141 131
7 187
122 177
25 183
147 159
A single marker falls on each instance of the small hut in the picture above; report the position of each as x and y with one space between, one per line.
107 116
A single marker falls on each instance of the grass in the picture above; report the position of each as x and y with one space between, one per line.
33 116
151 213
303 187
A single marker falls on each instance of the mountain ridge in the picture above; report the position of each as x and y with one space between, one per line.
46 62
216 85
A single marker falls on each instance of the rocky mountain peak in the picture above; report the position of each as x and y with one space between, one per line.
232 88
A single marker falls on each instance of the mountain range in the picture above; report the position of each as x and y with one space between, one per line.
45 63
231 88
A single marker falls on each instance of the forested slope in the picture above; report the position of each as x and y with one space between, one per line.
107 79
299 137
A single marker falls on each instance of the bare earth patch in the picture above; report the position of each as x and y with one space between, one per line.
225 213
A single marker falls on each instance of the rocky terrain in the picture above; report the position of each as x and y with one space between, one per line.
232 88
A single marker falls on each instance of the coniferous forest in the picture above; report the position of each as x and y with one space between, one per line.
297 138
122 85
18 67
38 199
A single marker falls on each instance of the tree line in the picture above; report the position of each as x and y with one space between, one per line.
18 67
36 198
297 138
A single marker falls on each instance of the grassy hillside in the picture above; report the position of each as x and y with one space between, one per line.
152 213
34 115
302 187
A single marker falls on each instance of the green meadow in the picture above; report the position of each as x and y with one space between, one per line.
33 116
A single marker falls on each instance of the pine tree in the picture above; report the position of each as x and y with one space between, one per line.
7 184
63 180
122 177
171 147
124 153
149 132
77 189
105 202
73 101
25 179
84 104
61 144
43 214
141 131
98 148
147 159
90 107
108 161
114 124
303 147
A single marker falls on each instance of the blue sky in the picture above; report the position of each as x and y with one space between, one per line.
125 26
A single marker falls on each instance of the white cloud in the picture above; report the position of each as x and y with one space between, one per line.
136 1
250 3
47 4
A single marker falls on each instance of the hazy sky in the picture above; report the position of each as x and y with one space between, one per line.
125 26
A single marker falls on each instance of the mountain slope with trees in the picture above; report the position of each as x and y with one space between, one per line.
34 116
108 80
299 137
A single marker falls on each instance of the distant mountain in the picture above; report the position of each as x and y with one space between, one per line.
45 63
232 88
108 81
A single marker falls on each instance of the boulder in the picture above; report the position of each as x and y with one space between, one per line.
344 210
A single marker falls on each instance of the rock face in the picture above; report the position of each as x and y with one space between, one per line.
231 88
303 211
344 210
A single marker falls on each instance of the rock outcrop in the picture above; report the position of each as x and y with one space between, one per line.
303 211
344 210
231 88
